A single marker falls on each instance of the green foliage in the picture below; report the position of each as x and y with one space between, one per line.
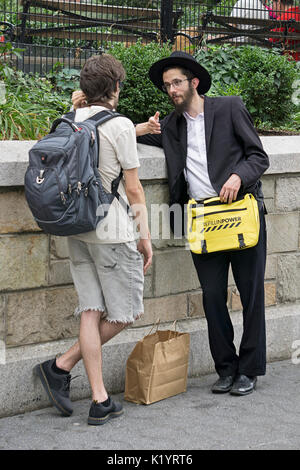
140 99
6 52
262 77
267 84
64 80
297 120
223 65
31 106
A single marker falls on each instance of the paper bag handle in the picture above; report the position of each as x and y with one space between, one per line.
155 324
173 326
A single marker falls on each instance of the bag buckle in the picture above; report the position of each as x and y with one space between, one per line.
40 179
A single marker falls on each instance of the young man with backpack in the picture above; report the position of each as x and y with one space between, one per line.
107 264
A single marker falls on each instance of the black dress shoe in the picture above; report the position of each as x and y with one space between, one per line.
223 384
57 386
243 385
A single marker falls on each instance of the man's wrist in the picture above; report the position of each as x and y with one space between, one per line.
142 128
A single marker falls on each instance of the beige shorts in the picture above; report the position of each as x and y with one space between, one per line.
108 278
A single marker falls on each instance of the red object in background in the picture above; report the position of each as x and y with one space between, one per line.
291 13
2 38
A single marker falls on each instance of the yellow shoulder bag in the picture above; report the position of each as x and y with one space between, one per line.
216 226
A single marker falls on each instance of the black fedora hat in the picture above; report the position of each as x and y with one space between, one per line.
180 59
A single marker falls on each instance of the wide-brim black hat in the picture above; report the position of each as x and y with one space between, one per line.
180 59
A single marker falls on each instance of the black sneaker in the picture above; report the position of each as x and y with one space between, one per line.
100 414
57 386
223 384
243 385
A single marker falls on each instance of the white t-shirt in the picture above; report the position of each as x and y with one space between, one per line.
196 173
253 9
118 149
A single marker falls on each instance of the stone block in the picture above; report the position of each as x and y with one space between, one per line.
170 308
174 272
2 317
24 261
157 196
270 294
15 215
270 205
268 186
282 232
59 273
287 194
59 247
271 267
148 289
41 315
289 277
235 300
195 305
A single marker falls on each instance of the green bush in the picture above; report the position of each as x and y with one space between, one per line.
64 80
223 65
139 99
31 102
263 78
31 106
267 84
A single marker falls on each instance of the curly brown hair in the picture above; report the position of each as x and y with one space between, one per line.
99 77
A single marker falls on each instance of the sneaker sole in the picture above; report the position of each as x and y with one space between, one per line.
225 390
100 421
242 394
38 370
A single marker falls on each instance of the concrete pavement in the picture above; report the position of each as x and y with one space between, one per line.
269 418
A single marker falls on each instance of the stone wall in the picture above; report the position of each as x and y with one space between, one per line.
37 296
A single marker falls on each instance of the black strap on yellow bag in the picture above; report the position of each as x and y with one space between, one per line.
216 226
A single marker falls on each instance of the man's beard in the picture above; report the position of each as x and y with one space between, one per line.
186 101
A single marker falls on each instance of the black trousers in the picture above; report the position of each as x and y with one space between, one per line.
248 268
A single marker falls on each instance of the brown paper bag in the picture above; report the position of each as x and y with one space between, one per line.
157 367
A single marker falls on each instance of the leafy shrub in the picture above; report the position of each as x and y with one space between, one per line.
64 80
267 84
262 77
31 103
139 99
223 65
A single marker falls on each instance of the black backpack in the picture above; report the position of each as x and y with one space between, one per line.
62 182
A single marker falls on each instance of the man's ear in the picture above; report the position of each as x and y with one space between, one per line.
195 81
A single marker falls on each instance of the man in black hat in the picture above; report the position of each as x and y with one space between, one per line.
212 149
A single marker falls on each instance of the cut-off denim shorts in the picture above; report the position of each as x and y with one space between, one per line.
108 278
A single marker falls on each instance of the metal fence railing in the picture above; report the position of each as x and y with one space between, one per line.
69 31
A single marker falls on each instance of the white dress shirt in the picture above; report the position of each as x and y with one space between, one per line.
196 173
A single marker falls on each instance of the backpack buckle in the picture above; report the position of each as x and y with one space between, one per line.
40 179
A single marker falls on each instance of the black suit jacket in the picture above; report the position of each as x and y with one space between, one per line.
232 146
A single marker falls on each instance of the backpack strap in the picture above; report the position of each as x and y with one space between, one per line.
114 189
100 118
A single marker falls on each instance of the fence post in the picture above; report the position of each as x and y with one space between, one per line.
166 20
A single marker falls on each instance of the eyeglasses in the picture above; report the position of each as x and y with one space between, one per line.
121 84
175 83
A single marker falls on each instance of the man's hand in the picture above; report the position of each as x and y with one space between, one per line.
78 99
145 248
230 189
153 124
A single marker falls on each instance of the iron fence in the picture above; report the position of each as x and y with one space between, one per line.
69 31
